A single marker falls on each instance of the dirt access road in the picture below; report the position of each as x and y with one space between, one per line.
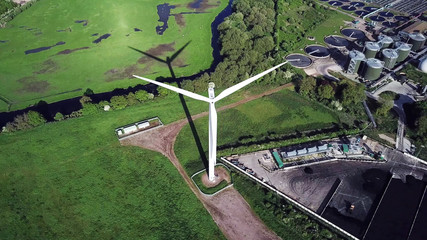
228 209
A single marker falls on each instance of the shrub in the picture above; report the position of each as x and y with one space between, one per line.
35 118
118 102
142 95
131 99
58 116
89 109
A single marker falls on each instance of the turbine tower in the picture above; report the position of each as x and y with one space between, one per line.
212 110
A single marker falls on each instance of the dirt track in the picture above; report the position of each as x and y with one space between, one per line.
229 210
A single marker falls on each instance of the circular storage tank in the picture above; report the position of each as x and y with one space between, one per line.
371 49
336 41
387 14
390 24
389 56
401 18
417 40
403 50
348 8
335 3
361 13
299 60
354 60
373 69
423 65
317 51
385 40
357 4
377 18
353 34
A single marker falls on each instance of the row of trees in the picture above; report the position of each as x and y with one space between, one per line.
9 10
88 107
6 5
247 47
346 91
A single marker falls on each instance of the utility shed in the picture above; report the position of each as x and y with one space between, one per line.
291 153
323 147
130 129
302 151
345 148
278 160
143 125
312 149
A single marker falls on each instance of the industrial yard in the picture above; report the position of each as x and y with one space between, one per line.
346 184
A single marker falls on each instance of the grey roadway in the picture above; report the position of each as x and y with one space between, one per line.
407 91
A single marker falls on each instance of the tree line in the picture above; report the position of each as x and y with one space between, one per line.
247 47
33 119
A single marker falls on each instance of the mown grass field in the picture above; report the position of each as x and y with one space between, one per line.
104 66
73 180
282 112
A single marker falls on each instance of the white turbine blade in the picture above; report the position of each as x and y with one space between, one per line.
175 89
240 85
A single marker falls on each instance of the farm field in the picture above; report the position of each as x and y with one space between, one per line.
73 180
57 49
281 112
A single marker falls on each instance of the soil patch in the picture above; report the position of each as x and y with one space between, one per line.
157 51
32 85
179 18
68 51
200 5
220 175
105 36
48 66
179 62
127 72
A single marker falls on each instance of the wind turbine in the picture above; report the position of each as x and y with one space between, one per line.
212 110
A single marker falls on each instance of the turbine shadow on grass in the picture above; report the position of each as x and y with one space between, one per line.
168 62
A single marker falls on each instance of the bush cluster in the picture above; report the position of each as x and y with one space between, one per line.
9 10
247 47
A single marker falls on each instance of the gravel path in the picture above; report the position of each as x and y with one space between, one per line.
228 209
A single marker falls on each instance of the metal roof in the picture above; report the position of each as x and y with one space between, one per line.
417 36
356 55
374 63
390 53
374 46
403 46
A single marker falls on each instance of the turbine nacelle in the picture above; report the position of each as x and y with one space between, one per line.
212 111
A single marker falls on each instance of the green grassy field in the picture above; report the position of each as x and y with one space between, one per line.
73 180
49 75
282 112
298 20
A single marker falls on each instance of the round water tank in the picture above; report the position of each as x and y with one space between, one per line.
423 65
403 50
373 69
385 41
389 56
354 59
371 49
417 40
